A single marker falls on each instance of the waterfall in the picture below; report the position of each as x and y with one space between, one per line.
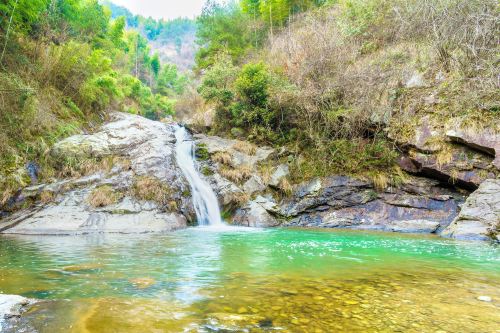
205 202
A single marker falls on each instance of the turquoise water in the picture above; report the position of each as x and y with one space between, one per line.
250 280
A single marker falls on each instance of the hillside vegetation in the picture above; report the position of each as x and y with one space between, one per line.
174 40
333 80
63 65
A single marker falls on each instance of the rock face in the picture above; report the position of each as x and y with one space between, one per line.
419 206
149 146
448 153
479 218
343 202
225 189
239 157
487 141
12 306
256 213
261 212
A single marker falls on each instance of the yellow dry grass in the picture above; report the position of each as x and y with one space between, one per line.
380 181
245 147
445 156
238 174
152 189
222 157
239 198
103 196
47 196
286 187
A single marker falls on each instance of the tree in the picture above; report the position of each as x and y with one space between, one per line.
155 64
116 32
222 28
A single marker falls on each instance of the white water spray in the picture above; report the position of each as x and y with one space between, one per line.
205 202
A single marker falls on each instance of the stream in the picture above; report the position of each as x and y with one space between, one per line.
252 280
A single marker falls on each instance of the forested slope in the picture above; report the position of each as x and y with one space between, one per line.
63 66
346 86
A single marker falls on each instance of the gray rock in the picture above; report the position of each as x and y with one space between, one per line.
253 214
150 147
479 218
254 184
281 172
344 202
487 141
224 189
413 226
216 144
73 216
11 306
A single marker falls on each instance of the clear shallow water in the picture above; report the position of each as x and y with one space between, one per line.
251 280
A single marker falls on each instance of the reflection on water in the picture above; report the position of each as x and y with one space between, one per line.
234 280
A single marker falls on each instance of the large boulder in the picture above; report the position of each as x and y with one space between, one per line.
149 148
458 165
256 213
479 218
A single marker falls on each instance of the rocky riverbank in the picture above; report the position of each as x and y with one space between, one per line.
142 189
11 307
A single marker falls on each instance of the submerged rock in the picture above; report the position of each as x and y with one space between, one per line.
479 218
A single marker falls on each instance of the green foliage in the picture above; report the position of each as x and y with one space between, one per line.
24 13
66 63
170 82
217 85
348 156
155 64
251 109
358 15
224 28
202 152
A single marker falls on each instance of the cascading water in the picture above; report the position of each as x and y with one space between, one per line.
205 202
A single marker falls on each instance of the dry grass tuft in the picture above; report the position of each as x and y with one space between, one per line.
286 187
47 197
222 157
152 189
89 166
237 175
266 172
445 156
103 196
380 181
239 198
245 147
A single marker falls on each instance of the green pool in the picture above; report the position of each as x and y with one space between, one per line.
249 280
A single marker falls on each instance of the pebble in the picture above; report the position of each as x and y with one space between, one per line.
242 310
484 298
